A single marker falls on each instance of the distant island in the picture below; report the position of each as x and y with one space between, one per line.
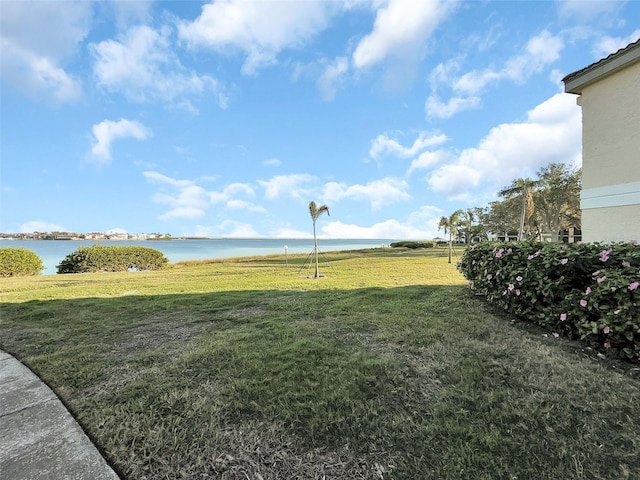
92 236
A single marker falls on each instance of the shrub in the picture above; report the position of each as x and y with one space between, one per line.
590 291
413 245
19 262
98 258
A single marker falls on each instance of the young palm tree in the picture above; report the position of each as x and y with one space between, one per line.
449 224
315 212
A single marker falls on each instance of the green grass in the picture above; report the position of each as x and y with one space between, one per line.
387 367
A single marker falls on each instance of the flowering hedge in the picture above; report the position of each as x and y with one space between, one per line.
589 291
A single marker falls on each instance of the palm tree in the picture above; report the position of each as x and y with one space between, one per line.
449 224
524 188
315 212
466 220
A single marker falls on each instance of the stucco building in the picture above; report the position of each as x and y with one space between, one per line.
609 94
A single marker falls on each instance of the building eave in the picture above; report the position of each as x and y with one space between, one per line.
576 81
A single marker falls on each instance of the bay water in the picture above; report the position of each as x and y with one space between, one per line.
52 252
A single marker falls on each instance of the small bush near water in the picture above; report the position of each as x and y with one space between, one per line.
98 258
587 291
19 261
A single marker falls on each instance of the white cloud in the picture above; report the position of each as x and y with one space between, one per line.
401 28
540 51
160 178
378 193
421 224
551 133
227 229
40 227
293 186
428 159
586 10
130 12
37 38
188 200
141 65
290 233
385 145
107 131
261 30
608 45
438 109
244 205
237 189
272 162
332 77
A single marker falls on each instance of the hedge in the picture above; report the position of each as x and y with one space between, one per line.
587 291
19 262
414 245
99 258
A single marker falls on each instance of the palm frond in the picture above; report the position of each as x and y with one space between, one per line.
316 211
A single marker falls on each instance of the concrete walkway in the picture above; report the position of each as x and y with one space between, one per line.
39 439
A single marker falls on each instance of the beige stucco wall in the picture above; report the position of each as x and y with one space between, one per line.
613 224
610 197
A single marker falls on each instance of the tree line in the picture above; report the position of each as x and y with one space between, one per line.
528 209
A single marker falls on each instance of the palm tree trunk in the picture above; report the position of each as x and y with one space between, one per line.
450 244
523 215
315 249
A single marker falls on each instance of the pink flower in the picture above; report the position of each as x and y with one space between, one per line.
509 250
564 261
606 330
532 256
587 291
563 317
634 285
607 345
518 278
626 264
601 279
499 253
596 273
604 255
556 335
489 277
511 287
517 292
583 303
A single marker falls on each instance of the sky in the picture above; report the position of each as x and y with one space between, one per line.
226 118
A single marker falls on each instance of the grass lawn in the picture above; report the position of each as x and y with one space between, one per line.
385 368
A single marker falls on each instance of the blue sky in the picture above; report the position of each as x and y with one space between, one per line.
226 118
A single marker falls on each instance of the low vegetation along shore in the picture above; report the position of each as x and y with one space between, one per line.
386 367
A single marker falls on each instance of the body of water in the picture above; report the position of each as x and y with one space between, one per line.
52 252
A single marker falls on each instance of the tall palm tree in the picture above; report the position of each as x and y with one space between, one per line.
449 224
522 187
315 212
466 221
